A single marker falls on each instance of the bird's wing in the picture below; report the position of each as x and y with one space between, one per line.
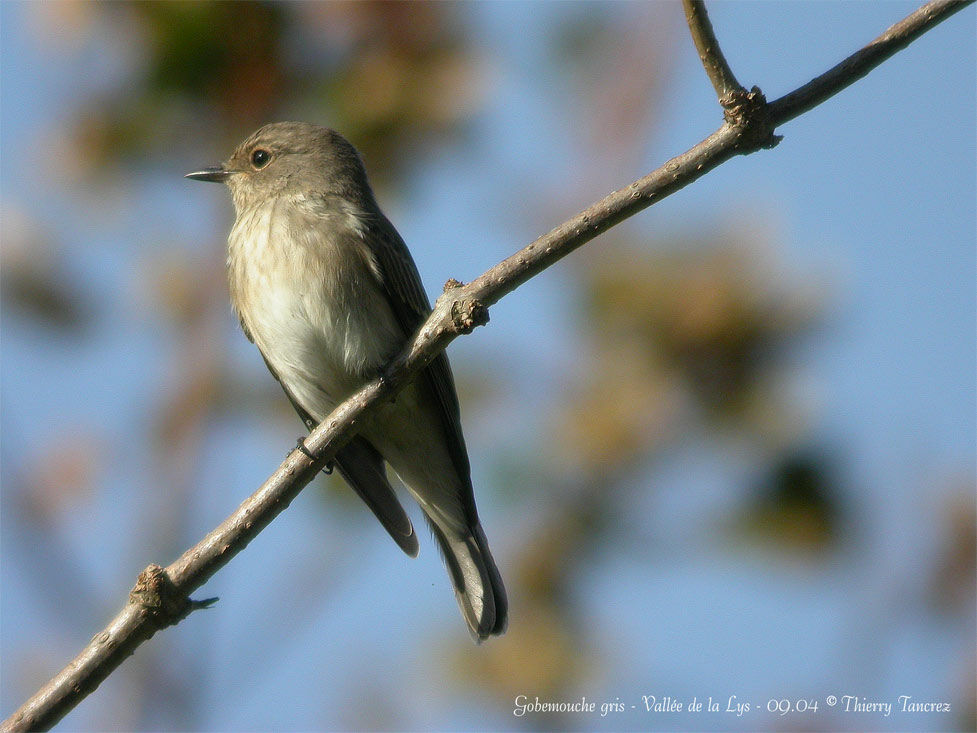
362 467
401 283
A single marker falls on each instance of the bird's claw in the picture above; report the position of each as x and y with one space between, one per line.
300 445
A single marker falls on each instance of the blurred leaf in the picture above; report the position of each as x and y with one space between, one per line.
188 54
619 416
540 655
797 506
593 48
703 312
44 297
178 420
32 278
180 288
62 479
954 583
386 75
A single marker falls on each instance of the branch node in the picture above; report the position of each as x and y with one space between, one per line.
749 113
468 314
160 600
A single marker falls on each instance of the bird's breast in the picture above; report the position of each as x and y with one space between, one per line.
305 285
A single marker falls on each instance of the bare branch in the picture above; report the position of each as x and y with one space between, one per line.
856 66
161 598
722 77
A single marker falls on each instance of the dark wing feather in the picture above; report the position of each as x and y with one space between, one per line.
402 285
362 467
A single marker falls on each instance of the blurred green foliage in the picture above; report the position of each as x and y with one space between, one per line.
390 75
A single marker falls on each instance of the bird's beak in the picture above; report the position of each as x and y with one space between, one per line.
215 174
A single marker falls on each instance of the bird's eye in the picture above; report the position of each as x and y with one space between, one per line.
260 158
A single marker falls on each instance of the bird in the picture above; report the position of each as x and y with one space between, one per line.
325 287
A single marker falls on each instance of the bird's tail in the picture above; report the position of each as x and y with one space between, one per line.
478 585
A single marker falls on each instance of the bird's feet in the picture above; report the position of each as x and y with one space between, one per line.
300 445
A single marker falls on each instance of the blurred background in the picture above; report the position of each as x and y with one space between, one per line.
726 449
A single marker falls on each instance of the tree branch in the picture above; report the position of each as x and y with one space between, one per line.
853 68
161 598
722 77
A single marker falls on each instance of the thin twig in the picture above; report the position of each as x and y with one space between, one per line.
162 598
853 68
720 74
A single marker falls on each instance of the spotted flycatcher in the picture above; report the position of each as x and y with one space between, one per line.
326 289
